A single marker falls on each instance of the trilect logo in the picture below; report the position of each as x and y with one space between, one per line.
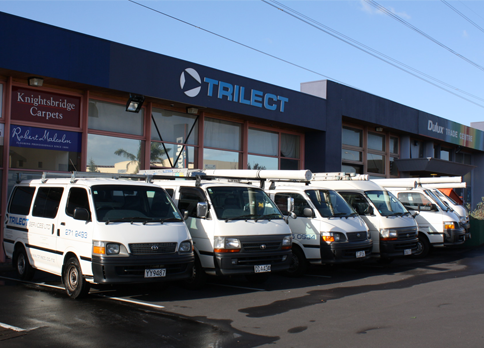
191 84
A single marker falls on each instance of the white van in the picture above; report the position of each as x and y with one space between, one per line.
236 228
325 230
438 225
392 228
95 229
458 209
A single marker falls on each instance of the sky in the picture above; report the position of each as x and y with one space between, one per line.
435 47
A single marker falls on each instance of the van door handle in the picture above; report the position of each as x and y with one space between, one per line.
63 223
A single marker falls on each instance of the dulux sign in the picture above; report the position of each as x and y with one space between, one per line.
191 84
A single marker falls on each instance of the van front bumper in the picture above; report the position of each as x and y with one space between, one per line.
398 248
345 251
131 269
454 236
245 263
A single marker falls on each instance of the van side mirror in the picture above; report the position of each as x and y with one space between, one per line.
414 213
81 214
308 212
202 209
290 205
185 214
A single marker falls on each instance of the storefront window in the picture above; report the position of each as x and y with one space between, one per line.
174 127
375 163
290 145
263 143
376 142
394 145
352 168
350 155
352 137
445 154
114 118
262 162
222 134
113 154
173 156
217 159
44 149
393 167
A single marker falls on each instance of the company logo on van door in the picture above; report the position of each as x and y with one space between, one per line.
191 84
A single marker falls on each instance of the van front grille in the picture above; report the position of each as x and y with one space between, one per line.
152 248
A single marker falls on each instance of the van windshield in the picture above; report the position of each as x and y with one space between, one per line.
386 203
116 203
329 203
242 203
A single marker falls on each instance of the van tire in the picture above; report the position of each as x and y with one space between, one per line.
198 277
299 264
22 265
423 248
74 282
257 278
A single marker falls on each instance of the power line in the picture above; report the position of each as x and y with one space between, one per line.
358 45
463 15
233 41
407 24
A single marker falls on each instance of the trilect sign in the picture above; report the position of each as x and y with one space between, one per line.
44 107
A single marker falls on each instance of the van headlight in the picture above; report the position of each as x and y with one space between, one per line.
387 234
185 247
226 244
449 225
100 247
286 243
330 237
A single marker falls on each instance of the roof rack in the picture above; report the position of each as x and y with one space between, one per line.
333 176
231 174
74 176
439 182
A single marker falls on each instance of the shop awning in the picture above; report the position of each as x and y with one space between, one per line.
429 165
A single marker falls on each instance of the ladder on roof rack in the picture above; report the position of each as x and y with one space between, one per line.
74 176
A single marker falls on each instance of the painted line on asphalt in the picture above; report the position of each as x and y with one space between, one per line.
120 299
10 327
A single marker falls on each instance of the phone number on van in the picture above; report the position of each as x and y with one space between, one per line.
76 234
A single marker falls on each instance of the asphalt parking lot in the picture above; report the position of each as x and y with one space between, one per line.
431 302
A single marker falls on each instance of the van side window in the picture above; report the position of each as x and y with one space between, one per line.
47 202
170 191
299 203
358 202
77 199
21 200
416 201
189 197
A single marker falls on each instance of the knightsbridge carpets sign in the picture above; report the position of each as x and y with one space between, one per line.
46 108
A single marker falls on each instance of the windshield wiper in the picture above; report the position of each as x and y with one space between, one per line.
242 217
131 219
269 216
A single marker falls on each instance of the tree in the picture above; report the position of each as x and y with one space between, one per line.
92 167
157 153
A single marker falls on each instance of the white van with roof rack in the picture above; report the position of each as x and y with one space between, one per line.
393 229
438 225
325 229
236 228
93 229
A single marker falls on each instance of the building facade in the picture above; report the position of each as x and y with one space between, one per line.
64 95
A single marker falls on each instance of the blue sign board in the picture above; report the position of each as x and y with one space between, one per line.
47 139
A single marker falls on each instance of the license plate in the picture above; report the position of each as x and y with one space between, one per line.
360 254
155 273
407 252
262 268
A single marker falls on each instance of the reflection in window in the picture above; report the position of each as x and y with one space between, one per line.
376 163
14 175
394 145
30 158
393 167
218 159
222 134
114 155
262 162
352 168
174 127
263 143
352 137
445 155
351 155
376 142
172 156
288 164
114 118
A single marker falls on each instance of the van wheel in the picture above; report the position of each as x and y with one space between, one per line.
423 247
257 278
22 265
299 264
76 285
198 278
